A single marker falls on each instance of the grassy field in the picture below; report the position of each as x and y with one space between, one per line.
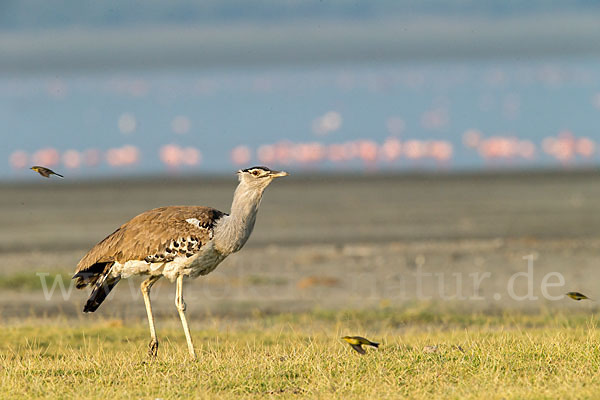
267 323
301 355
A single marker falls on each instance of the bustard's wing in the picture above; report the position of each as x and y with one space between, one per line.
154 236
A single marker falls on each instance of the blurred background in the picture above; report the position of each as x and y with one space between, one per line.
441 136
122 88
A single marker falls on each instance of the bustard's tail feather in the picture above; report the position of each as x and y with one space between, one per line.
102 288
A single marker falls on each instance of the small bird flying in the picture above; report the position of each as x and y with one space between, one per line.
578 296
174 242
356 342
45 172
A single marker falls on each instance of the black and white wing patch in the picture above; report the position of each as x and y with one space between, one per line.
184 246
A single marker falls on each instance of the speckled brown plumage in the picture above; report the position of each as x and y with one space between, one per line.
157 235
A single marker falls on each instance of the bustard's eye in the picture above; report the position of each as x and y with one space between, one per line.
255 173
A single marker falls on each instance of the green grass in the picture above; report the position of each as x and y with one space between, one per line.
519 356
266 280
30 281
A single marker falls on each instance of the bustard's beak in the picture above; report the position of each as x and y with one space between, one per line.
278 174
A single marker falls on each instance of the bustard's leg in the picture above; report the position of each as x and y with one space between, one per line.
180 304
146 286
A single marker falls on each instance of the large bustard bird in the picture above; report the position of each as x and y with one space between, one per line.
174 242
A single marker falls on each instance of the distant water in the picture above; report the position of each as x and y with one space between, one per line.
451 115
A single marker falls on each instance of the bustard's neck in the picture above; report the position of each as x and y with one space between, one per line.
232 231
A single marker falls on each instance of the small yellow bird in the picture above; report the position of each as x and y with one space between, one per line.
45 172
356 343
578 296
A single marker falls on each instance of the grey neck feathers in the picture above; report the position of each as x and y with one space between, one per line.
232 231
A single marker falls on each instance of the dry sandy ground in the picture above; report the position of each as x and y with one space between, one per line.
328 242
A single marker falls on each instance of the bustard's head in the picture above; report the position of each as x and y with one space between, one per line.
259 177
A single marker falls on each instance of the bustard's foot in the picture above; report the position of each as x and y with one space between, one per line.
153 348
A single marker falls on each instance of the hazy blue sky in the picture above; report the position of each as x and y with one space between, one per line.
43 14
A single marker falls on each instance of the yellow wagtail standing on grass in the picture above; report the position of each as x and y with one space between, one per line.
356 343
